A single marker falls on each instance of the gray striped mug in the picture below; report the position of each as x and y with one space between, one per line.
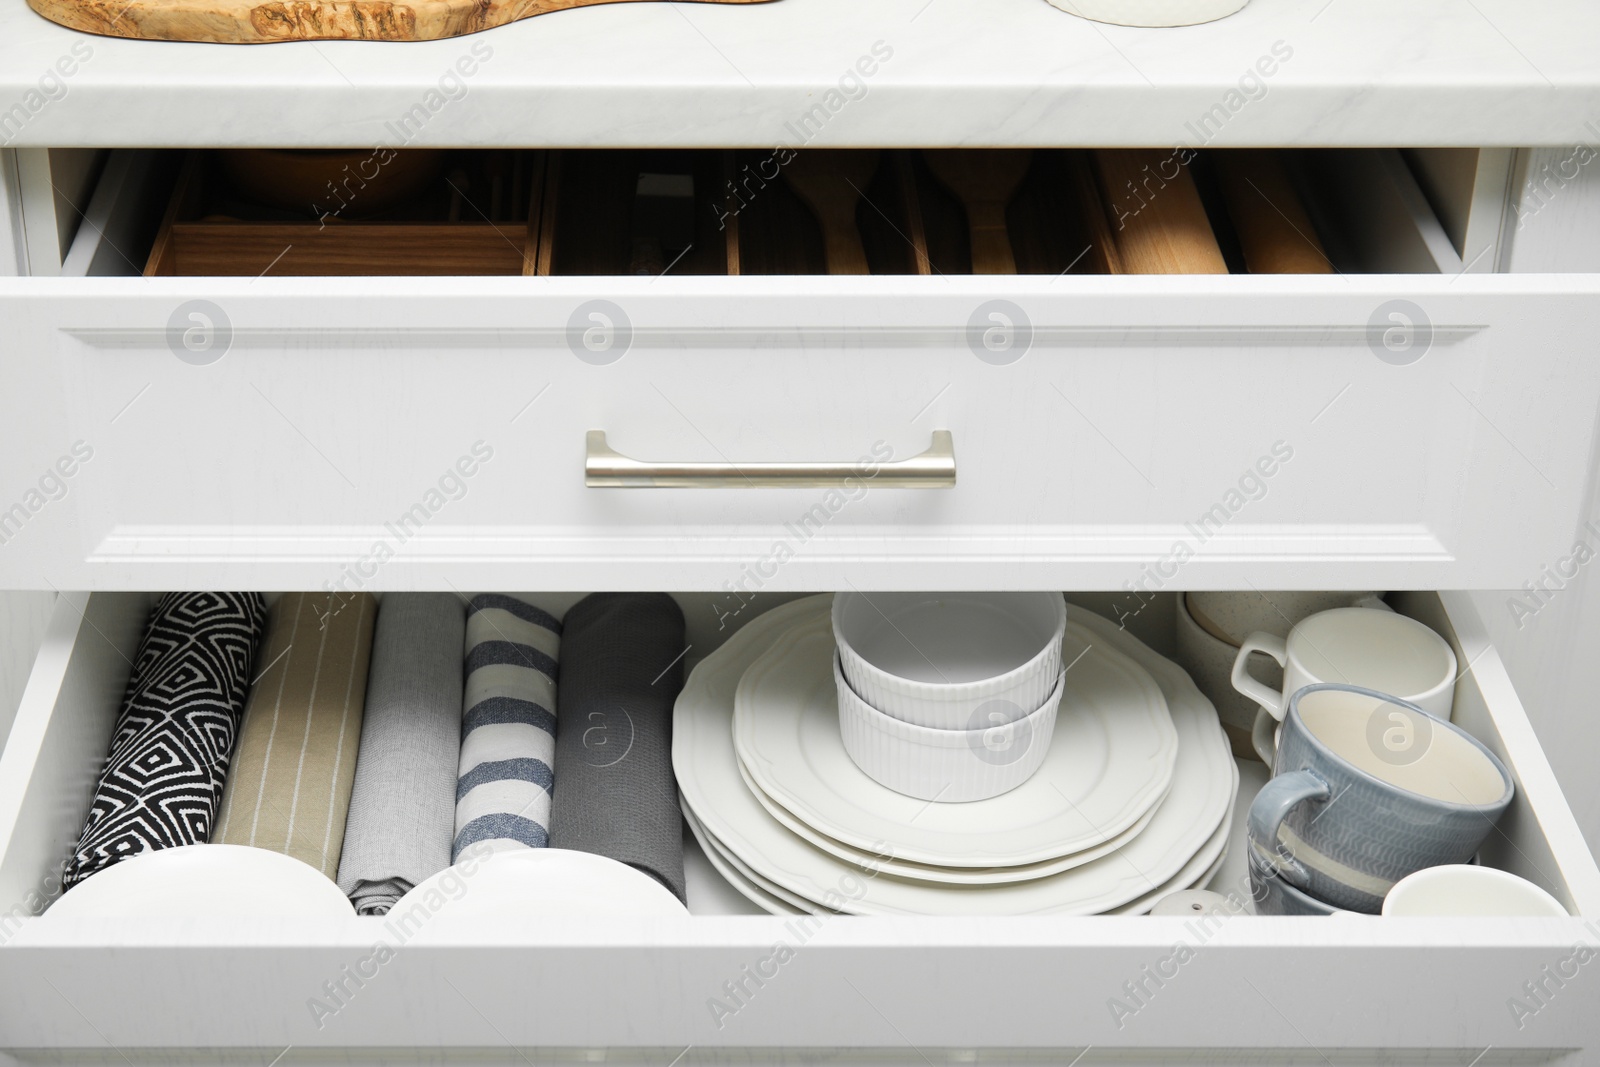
1368 788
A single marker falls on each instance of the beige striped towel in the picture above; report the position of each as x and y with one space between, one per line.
289 784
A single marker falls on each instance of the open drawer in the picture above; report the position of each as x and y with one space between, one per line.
898 986
1394 429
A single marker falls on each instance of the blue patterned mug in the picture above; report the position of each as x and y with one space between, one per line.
1367 789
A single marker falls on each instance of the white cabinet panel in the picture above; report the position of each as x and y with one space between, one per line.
1163 432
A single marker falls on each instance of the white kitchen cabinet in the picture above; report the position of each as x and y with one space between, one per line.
1460 457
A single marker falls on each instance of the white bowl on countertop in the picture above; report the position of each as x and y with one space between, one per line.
1151 13
953 766
951 661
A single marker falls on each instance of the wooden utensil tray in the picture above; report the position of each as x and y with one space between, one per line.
751 222
458 226
572 212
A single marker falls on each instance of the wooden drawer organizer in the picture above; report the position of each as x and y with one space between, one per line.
568 212
209 229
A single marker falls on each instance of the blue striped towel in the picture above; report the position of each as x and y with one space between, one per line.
508 725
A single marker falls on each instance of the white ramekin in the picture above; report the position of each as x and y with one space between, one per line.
944 765
1008 687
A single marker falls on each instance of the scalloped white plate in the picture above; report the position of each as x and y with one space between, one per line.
1110 759
1182 829
775 899
927 872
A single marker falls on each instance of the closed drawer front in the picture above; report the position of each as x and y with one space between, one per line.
1362 430
893 985
1237 429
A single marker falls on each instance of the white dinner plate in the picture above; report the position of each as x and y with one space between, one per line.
708 776
778 901
1198 872
927 872
775 899
205 881
1110 759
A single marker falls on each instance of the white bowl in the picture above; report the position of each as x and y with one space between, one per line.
1151 12
1466 889
1210 663
945 765
1236 615
951 661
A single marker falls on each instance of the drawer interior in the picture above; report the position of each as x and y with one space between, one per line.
938 983
735 212
68 712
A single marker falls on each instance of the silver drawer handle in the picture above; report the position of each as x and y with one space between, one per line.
606 468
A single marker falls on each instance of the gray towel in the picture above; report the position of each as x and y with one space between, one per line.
402 807
621 670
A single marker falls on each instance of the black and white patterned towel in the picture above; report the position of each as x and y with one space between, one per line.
163 779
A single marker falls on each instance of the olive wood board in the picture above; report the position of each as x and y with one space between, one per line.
272 21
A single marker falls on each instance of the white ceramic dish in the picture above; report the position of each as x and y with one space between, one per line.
1111 756
1196 874
1234 615
951 661
1151 13
1199 871
541 881
773 899
938 875
1210 662
205 881
1375 649
1466 889
707 769
950 766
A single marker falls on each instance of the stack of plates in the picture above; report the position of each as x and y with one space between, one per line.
1131 802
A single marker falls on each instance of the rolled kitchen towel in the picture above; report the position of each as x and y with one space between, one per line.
164 776
402 806
289 787
508 725
621 670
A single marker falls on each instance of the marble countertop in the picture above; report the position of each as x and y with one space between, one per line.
841 72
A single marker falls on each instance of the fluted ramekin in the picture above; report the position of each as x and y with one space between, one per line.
951 661
944 765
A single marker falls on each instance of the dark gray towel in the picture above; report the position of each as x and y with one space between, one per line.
403 803
621 670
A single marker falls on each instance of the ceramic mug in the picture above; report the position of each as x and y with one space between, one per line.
1273 896
1349 813
1459 889
1377 650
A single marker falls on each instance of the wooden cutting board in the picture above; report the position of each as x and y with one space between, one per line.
1275 231
270 21
1155 213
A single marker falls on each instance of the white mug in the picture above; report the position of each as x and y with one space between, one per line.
1373 649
